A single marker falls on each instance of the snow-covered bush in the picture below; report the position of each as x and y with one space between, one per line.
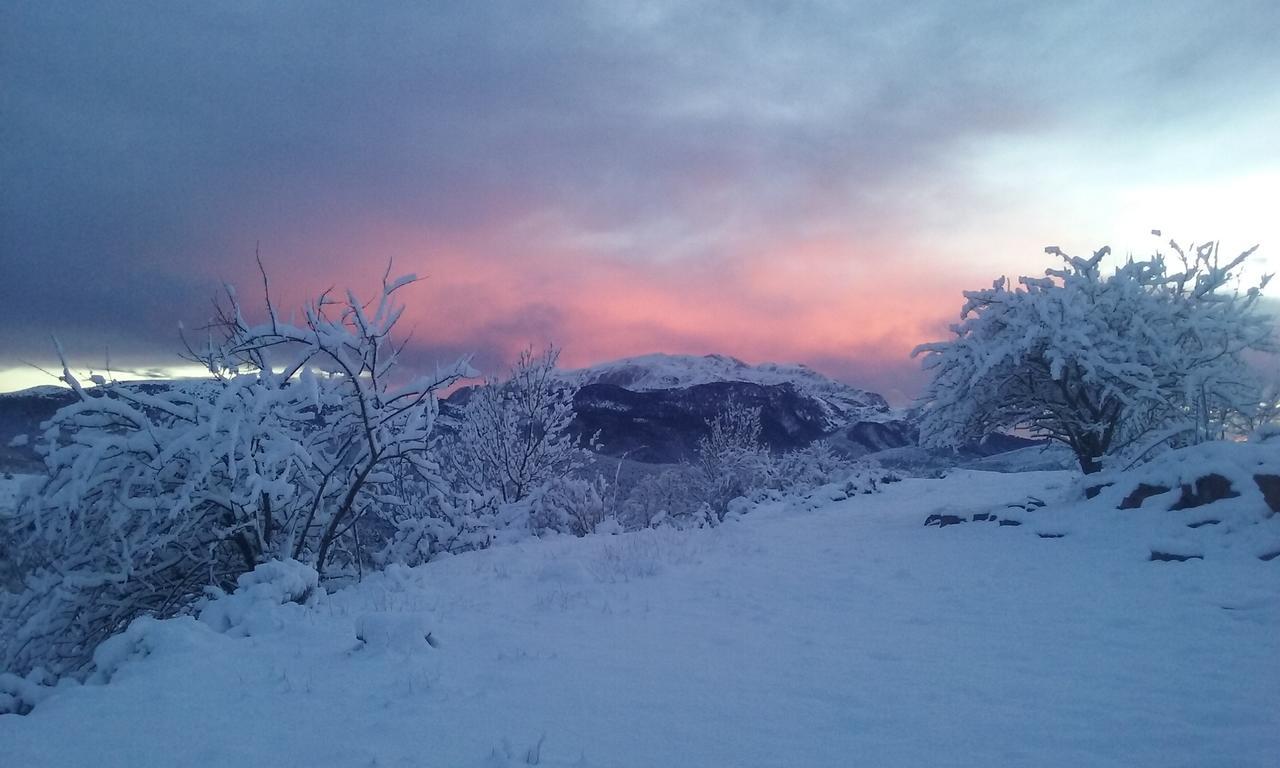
851 480
571 505
514 436
658 497
734 470
150 497
731 461
272 583
815 464
1104 364
438 520
510 466
511 454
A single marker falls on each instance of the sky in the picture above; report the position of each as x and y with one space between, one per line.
790 182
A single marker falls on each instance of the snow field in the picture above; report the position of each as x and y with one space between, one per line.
845 635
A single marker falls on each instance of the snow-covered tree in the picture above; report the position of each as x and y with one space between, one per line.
731 460
658 497
509 466
514 436
1103 363
152 497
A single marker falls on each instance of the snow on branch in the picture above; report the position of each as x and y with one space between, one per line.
152 497
1098 361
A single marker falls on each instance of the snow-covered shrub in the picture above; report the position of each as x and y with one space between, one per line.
571 505
815 464
731 460
510 450
734 471
514 436
851 480
271 584
1104 364
658 497
436 521
152 497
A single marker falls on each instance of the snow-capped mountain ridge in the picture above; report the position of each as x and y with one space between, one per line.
843 403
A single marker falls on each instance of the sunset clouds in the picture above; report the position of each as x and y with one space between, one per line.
811 183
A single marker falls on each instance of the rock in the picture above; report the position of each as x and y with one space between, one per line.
1007 521
1141 494
1169 557
1270 487
1208 489
1029 504
1051 535
943 521
1202 523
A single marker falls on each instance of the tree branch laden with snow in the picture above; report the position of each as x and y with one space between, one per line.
1100 362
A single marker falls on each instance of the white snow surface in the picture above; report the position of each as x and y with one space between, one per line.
662 371
834 633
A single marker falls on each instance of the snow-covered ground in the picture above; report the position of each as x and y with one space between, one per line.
844 635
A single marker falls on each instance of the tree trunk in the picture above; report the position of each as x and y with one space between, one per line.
1088 464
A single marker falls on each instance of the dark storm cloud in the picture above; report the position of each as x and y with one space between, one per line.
144 147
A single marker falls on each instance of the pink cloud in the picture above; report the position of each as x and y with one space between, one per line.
853 307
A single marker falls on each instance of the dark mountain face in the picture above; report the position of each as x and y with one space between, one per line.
664 425
872 436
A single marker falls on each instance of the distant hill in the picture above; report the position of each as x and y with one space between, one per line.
20 417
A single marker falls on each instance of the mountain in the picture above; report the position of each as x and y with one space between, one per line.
839 404
654 408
